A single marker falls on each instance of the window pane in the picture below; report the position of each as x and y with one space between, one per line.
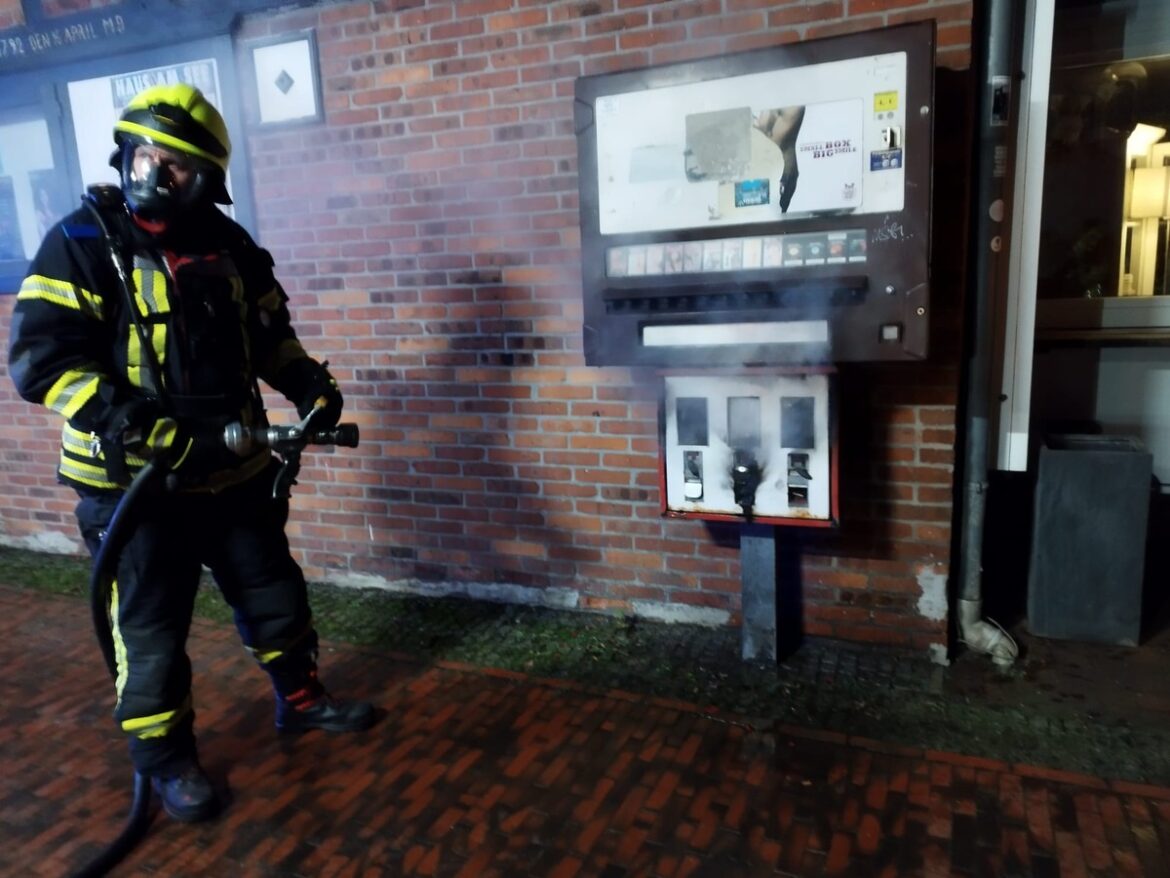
33 193
1107 164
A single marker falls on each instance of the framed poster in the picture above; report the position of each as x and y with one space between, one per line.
287 87
50 198
10 245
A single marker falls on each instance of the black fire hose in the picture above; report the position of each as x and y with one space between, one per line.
288 442
104 566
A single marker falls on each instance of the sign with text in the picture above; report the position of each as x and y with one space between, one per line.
44 41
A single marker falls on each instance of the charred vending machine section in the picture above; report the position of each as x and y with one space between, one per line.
751 446
762 208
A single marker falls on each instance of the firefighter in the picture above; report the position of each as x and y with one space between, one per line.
161 382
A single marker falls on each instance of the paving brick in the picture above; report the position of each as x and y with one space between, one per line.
486 775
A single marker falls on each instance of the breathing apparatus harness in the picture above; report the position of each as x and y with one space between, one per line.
287 442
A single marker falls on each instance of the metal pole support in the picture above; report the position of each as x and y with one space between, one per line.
757 549
770 590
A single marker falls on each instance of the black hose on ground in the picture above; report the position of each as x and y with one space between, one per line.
105 564
137 824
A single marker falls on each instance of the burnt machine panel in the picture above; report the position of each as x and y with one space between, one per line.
755 445
764 208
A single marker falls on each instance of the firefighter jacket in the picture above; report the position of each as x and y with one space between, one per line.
212 315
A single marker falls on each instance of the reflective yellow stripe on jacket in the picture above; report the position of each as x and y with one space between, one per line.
72 390
82 460
57 292
150 298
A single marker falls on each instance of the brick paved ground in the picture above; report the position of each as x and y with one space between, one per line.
471 773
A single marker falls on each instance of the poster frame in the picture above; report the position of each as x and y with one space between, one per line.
269 105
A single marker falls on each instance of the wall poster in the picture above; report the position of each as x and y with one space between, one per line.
756 148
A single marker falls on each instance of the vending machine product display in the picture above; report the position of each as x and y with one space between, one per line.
763 208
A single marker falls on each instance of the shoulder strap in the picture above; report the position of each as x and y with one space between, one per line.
107 205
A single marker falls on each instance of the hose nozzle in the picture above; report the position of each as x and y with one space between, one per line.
243 440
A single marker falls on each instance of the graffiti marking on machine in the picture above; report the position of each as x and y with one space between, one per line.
891 230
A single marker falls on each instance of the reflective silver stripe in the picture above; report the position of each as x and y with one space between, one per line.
58 292
136 369
71 391
79 443
152 286
84 445
93 476
151 298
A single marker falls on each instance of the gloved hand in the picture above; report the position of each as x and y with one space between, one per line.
322 397
182 450
129 422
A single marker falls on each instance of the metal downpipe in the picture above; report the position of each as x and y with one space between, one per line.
997 80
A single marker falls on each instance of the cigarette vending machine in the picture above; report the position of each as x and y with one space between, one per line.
748 222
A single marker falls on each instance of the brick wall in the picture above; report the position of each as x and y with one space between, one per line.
428 236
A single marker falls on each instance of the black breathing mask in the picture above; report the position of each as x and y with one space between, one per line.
160 183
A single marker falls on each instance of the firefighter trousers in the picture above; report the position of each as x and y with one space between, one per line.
239 535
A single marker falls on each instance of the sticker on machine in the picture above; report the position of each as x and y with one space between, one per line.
885 160
750 193
828 158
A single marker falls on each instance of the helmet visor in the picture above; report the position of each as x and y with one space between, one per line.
159 180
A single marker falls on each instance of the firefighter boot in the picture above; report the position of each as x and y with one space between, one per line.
323 712
187 796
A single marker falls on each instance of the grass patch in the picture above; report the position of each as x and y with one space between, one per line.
53 574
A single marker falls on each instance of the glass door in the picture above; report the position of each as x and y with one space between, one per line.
1089 288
